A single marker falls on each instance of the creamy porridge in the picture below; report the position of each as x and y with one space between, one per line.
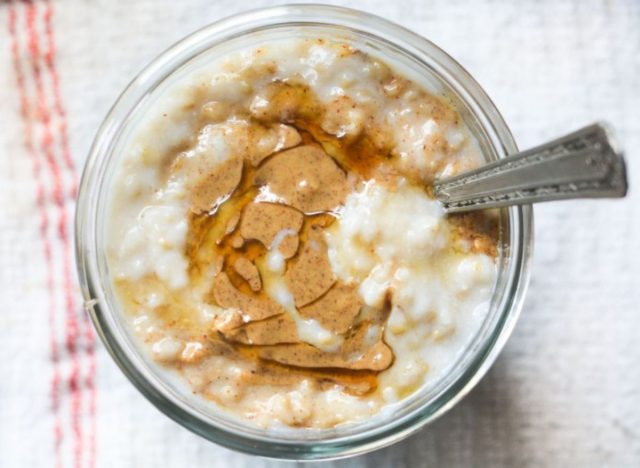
273 241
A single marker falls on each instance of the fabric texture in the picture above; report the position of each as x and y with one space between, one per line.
566 389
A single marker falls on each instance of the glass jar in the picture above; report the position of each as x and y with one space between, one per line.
423 61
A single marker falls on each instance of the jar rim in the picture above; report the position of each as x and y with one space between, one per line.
87 245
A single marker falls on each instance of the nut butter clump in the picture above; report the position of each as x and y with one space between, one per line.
309 275
305 178
243 306
336 309
249 272
212 187
264 221
275 330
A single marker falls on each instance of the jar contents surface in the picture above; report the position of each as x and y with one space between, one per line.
273 240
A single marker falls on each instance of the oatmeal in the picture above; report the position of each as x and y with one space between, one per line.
273 241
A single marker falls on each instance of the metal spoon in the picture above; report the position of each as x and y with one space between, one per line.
583 164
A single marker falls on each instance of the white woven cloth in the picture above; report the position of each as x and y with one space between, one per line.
566 390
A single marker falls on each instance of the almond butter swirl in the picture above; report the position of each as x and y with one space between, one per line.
305 188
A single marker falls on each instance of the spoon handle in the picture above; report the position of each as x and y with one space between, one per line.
583 164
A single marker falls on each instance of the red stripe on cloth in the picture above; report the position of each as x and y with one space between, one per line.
71 324
26 115
49 57
88 333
